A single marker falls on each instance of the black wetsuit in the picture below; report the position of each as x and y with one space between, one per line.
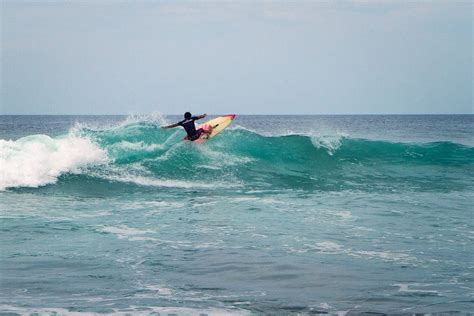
188 125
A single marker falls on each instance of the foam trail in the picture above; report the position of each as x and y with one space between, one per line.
38 160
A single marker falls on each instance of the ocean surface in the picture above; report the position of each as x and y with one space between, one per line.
277 215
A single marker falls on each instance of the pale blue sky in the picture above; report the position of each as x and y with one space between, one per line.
319 57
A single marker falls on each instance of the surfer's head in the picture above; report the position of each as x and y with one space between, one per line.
187 115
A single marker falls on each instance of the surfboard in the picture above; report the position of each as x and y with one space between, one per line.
216 126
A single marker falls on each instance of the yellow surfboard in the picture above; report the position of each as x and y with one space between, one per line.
216 126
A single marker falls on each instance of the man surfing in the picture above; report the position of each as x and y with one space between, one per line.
188 125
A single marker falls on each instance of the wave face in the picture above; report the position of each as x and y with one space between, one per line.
141 153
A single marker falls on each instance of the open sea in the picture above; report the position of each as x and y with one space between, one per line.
278 215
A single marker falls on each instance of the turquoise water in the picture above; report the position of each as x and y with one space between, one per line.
277 215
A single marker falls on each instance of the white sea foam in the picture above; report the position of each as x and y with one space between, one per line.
125 230
407 288
131 310
330 142
161 290
141 146
153 204
38 160
155 117
330 247
129 233
124 125
385 256
343 214
327 246
188 311
324 305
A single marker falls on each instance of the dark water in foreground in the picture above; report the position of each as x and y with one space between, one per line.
278 215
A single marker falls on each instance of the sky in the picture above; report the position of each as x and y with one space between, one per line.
246 57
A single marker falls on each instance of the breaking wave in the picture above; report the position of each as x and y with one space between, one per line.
139 152
39 159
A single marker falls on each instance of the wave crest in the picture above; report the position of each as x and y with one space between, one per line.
38 160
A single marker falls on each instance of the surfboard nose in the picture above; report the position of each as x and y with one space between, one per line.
231 116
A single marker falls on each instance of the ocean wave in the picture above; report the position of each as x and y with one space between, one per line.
38 160
244 145
137 151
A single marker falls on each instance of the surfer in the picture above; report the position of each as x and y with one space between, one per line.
188 125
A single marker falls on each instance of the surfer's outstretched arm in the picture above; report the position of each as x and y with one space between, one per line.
201 116
171 126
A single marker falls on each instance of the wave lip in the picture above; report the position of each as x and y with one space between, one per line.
39 160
